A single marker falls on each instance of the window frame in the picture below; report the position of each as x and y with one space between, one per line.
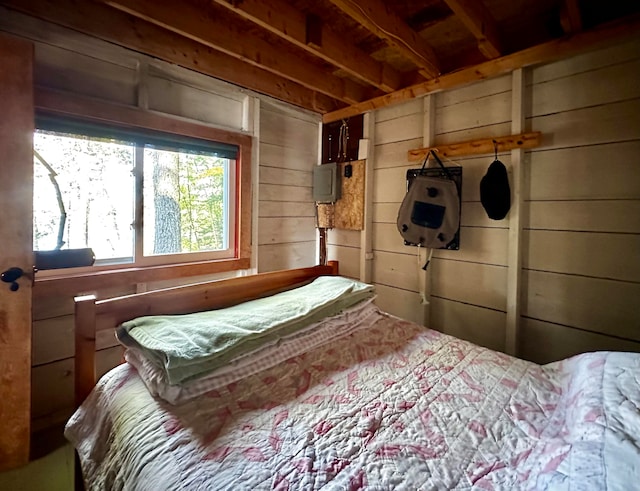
53 103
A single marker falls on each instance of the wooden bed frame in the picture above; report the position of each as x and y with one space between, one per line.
93 315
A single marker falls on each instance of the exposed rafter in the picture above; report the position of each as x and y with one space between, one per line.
282 19
111 25
542 53
475 16
205 27
570 16
341 57
377 17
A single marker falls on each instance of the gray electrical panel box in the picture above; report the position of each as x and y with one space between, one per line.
325 183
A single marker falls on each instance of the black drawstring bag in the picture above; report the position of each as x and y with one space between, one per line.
495 193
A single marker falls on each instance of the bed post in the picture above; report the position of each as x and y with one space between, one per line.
85 341
85 362
334 267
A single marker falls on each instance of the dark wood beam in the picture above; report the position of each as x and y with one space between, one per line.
282 19
475 16
377 17
597 38
570 16
204 27
108 24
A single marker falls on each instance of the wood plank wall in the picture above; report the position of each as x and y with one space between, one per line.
68 61
581 277
581 266
288 151
481 110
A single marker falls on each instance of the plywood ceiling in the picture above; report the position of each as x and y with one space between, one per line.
344 57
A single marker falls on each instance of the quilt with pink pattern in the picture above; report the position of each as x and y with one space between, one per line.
391 406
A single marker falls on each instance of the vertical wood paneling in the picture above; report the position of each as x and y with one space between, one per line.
52 390
397 270
591 172
592 304
581 209
481 110
545 342
288 255
349 259
600 255
582 276
288 153
585 89
171 95
62 69
402 303
484 327
472 283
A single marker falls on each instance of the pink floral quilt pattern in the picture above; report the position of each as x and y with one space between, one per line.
393 406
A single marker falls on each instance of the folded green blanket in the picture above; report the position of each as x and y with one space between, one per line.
191 345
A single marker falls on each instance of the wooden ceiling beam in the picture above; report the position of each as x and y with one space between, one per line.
377 17
203 26
116 27
479 21
570 16
600 37
282 19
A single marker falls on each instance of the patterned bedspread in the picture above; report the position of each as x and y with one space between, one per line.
391 406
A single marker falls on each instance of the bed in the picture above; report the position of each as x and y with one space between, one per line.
351 398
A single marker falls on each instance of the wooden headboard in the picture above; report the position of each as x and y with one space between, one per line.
93 315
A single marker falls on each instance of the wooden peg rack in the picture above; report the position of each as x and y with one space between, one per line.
476 147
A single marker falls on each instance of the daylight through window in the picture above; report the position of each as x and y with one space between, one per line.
133 198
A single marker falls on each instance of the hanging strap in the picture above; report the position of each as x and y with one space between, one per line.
424 163
444 169
426 159
343 141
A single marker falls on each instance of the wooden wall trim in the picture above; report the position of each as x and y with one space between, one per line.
426 277
516 215
366 236
55 102
16 201
75 284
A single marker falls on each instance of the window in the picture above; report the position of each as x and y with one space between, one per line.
135 197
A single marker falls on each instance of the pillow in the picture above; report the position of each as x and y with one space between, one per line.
187 346
262 358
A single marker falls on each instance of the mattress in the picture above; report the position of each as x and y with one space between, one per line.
391 405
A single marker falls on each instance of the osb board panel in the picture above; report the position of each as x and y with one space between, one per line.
350 206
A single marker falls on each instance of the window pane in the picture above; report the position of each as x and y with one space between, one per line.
185 202
96 189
